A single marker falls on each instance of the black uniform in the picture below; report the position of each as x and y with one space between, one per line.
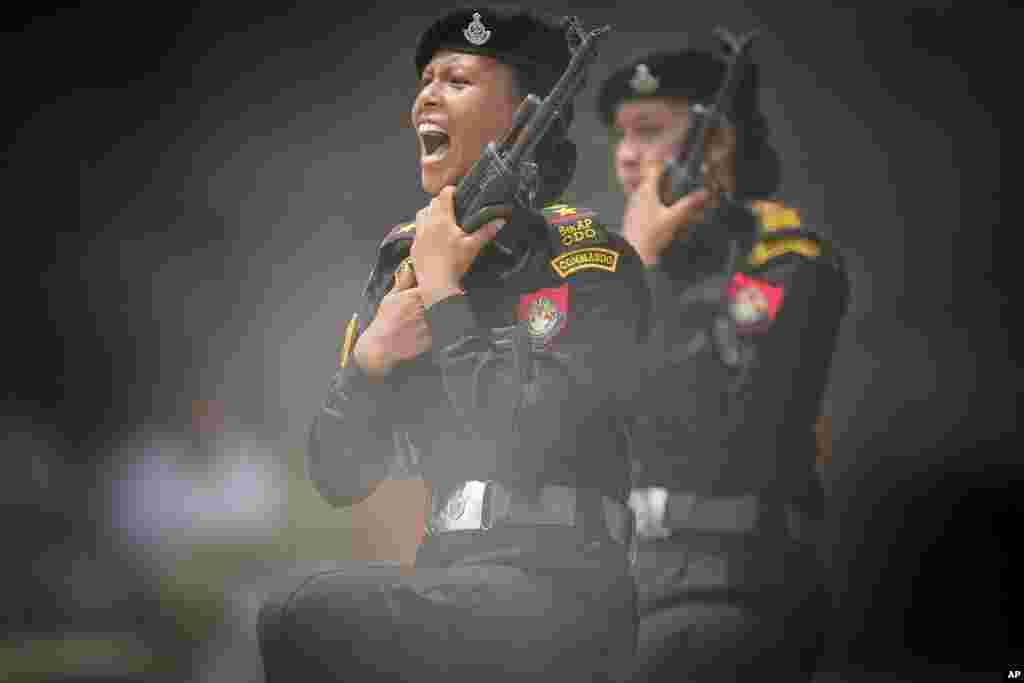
740 357
746 313
515 418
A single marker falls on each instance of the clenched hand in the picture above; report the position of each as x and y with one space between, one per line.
441 251
398 332
649 225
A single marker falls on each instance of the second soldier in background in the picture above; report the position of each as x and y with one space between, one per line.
747 306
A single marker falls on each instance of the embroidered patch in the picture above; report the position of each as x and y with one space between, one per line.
346 346
580 259
775 216
753 303
580 231
406 264
767 250
546 313
571 215
560 212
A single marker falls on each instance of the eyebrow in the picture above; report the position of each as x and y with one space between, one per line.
641 118
444 61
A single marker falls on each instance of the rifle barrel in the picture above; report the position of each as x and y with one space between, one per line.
563 91
685 175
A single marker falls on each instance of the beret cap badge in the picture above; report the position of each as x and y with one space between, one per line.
643 81
476 33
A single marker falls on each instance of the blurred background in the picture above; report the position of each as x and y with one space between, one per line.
171 332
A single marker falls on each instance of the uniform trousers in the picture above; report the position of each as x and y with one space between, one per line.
507 604
729 607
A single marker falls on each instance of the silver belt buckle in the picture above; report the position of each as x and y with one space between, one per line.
463 510
479 505
648 506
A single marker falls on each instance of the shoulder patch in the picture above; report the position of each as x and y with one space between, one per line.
562 213
753 303
781 233
576 226
775 216
766 250
546 314
580 241
582 259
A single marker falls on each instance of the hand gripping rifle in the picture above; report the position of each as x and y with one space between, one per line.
506 168
685 175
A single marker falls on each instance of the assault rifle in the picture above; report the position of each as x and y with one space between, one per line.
686 174
506 168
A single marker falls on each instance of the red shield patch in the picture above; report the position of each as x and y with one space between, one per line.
753 303
546 313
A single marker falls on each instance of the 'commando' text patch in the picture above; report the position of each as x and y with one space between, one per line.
581 259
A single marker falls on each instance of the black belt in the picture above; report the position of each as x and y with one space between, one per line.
690 511
482 505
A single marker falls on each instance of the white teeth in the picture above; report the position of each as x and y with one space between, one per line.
427 127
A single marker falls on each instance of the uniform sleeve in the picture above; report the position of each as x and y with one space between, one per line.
613 318
586 371
352 444
734 226
805 300
664 303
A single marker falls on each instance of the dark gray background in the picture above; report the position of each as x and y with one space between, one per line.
235 166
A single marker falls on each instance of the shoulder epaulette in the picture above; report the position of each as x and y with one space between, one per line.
393 249
402 231
781 232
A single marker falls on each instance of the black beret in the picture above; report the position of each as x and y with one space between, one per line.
693 74
514 35
697 75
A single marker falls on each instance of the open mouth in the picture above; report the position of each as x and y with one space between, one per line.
435 141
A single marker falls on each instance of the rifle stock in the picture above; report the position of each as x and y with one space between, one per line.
505 169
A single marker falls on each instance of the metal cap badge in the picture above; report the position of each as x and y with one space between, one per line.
643 81
476 33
